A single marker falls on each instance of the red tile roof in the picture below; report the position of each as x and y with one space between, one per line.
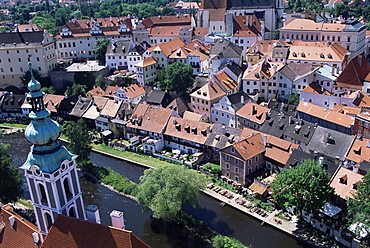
70 232
149 118
18 236
250 147
345 190
167 20
258 115
354 73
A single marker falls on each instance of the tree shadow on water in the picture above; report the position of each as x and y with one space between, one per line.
209 217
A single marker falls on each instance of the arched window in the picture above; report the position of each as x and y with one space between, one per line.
44 199
67 189
48 220
72 212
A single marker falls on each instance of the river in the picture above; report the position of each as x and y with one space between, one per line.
225 220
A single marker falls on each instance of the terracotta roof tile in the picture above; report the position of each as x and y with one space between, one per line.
307 24
94 111
71 232
325 114
134 90
343 180
188 129
149 118
209 91
110 91
354 73
317 89
20 235
168 47
166 31
243 27
359 151
250 147
97 91
146 62
346 110
258 115
167 20
52 102
227 82
111 108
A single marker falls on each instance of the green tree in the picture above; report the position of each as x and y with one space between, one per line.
10 178
220 241
166 189
79 139
100 50
100 82
359 206
25 79
176 77
167 11
293 99
76 89
86 78
48 90
304 186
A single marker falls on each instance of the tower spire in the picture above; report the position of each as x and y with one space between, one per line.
50 169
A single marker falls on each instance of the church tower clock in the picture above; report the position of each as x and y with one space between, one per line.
50 169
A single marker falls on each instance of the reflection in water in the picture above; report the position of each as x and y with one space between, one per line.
224 220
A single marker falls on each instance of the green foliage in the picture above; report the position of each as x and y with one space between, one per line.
79 139
10 178
304 186
276 34
110 177
176 77
48 90
166 189
359 206
100 82
3 29
26 78
100 49
76 89
220 241
85 78
213 168
294 99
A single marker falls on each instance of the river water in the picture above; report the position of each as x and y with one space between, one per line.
225 220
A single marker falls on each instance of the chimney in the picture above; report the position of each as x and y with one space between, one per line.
253 109
251 21
290 150
223 130
11 221
290 120
332 70
117 219
31 27
35 237
242 99
92 213
321 160
264 138
208 130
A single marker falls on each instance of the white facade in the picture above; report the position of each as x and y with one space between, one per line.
14 57
223 113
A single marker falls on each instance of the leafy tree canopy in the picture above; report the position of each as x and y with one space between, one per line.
79 139
10 178
220 241
48 90
76 89
166 189
294 99
100 49
26 78
359 206
304 186
85 78
176 77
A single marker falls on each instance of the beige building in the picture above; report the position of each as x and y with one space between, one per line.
27 43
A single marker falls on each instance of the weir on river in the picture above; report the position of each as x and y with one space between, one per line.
224 220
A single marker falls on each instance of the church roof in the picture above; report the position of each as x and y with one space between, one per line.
71 232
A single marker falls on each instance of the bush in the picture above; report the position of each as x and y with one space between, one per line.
220 241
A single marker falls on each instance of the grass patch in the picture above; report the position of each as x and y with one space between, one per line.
212 168
25 203
144 159
111 178
14 125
